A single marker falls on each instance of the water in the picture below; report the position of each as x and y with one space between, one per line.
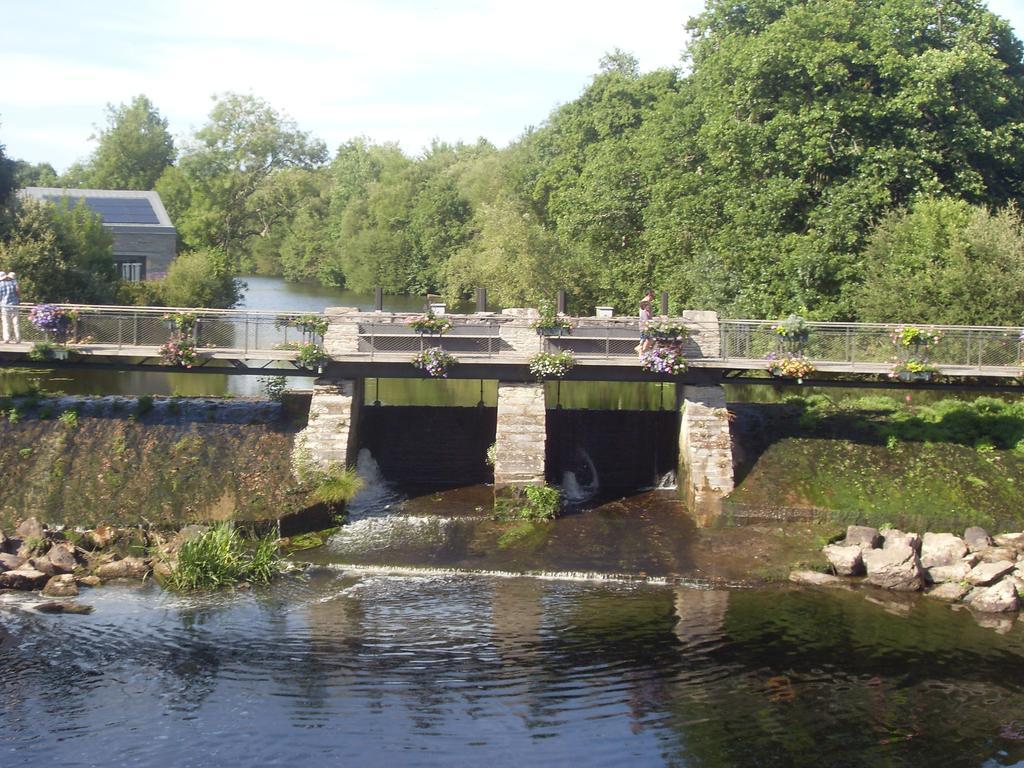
388 669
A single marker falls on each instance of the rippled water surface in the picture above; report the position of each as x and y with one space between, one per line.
385 669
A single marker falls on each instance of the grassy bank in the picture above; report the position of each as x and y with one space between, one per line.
874 460
134 462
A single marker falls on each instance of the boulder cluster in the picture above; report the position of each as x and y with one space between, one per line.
58 562
985 573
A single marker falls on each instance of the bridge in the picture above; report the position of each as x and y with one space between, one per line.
497 345
341 347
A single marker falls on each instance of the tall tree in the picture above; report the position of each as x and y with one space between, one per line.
803 121
134 148
235 166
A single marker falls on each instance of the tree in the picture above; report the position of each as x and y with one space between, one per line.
61 253
804 121
945 261
33 175
202 278
134 148
234 169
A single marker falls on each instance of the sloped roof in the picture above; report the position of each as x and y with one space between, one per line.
119 208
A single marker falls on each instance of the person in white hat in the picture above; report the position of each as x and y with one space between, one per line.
9 300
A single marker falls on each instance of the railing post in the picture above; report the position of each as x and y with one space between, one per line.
561 302
135 329
481 299
849 345
378 299
245 336
664 303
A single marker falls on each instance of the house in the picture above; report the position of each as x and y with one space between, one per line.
145 241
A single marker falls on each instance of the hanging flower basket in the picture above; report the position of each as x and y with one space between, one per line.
912 370
311 356
552 365
665 330
790 367
666 359
177 352
430 324
435 362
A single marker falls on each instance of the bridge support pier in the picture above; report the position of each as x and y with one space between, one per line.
705 449
520 436
329 437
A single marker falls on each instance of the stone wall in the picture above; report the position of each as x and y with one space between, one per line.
520 436
705 449
330 434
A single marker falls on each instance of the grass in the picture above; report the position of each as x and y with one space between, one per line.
222 557
533 503
336 485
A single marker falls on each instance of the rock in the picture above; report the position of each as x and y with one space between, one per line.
32 547
1018 584
897 568
862 536
1000 622
31 529
101 537
61 586
62 556
951 591
1015 540
941 549
3 542
892 538
998 598
42 564
128 568
23 578
998 554
971 558
984 574
977 538
941 574
162 570
63 606
846 561
88 581
815 579
10 562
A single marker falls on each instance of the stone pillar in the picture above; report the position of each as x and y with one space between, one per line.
329 437
705 450
520 436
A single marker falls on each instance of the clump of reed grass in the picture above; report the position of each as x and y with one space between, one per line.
337 485
221 557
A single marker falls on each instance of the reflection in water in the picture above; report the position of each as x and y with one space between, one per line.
453 669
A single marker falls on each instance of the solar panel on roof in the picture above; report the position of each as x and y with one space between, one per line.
117 210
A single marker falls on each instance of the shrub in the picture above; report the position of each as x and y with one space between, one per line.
221 557
434 361
69 419
311 355
534 503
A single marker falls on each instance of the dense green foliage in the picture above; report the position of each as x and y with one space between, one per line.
533 503
337 486
945 261
134 148
817 156
60 253
221 557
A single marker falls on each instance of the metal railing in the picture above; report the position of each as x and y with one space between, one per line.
871 344
256 335
397 338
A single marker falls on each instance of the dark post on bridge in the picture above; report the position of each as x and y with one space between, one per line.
561 302
664 303
481 299
378 299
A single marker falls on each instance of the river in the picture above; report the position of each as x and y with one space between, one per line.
409 639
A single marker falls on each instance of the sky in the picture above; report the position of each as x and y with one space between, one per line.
390 70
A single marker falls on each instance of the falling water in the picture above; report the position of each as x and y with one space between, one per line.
574 491
377 496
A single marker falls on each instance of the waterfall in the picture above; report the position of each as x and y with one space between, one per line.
377 495
668 481
574 491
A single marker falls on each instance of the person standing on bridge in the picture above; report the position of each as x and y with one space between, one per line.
645 317
9 300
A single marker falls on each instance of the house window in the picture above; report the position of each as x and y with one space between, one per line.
131 271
